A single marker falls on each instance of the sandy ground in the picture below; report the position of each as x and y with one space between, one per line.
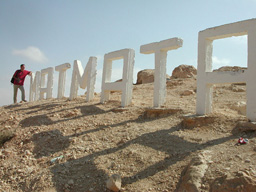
149 149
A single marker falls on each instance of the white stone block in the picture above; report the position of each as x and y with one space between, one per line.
160 49
34 86
206 78
62 78
84 79
127 78
49 86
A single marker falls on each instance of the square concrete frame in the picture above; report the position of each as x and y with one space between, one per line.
160 49
127 78
206 78
84 79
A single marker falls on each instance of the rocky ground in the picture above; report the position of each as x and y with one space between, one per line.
62 145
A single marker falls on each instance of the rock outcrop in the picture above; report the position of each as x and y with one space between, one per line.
184 71
194 172
147 76
230 68
240 107
238 181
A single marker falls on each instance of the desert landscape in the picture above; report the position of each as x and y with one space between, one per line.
57 145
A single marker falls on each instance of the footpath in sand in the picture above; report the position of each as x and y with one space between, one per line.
75 146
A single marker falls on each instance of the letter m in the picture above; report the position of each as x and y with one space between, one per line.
84 79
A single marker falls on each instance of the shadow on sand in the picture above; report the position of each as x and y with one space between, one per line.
84 172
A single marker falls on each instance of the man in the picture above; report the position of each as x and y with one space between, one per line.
19 78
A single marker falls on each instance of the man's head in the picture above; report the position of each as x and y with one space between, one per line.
22 67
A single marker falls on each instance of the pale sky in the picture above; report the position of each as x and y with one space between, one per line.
47 33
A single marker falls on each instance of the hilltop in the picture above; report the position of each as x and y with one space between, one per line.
165 149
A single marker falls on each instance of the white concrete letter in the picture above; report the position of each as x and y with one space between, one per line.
160 49
127 78
34 86
86 79
206 78
62 78
49 87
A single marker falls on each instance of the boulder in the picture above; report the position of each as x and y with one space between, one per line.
184 71
187 93
114 183
174 83
147 76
